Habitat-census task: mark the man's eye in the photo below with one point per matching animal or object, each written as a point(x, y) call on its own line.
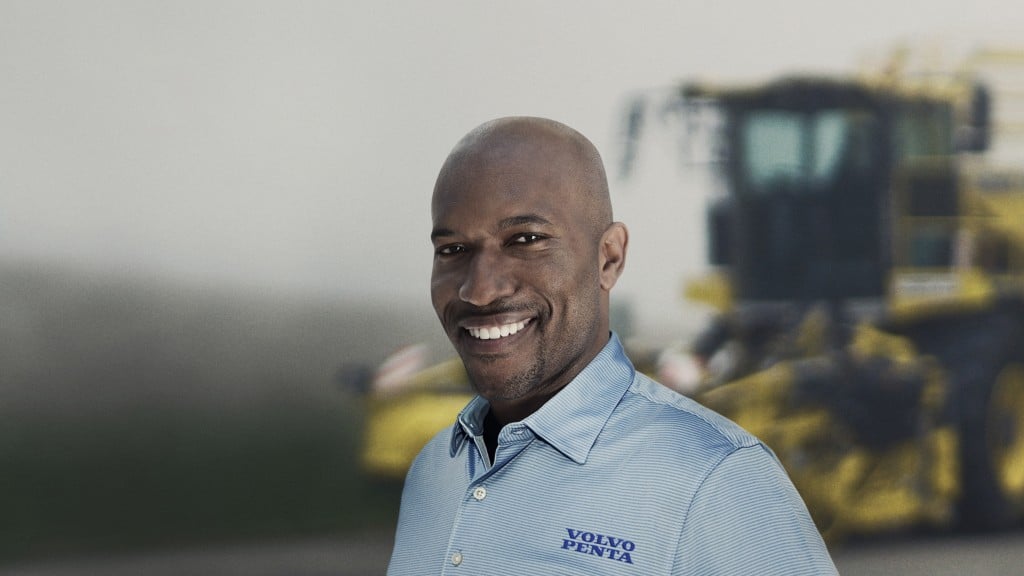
point(526, 238)
point(450, 250)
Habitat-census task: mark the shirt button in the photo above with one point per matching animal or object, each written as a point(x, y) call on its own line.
point(479, 493)
point(456, 558)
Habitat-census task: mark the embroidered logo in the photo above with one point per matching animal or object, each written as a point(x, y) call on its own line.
point(601, 545)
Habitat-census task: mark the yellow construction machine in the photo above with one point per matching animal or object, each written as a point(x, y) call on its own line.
point(867, 268)
point(867, 256)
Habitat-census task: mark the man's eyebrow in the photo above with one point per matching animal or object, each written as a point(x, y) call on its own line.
point(504, 224)
point(441, 233)
point(513, 221)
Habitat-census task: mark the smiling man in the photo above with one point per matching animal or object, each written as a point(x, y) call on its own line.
point(569, 461)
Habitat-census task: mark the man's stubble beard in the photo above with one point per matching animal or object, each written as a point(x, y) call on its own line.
point(515, 386)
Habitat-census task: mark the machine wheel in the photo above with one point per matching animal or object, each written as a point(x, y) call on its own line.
point(1004, 430)
point(992, 440)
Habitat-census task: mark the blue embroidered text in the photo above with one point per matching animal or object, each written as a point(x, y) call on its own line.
point(601, 545)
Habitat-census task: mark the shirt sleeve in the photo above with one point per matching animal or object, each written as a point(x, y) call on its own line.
point(747, 518)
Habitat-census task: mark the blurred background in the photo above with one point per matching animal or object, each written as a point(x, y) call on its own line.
point(212, 214)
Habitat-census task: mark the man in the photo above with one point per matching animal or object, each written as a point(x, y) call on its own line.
point(569, 461)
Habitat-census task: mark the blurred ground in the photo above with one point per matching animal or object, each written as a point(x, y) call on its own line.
point(140, 415)
point(367, 555)
point(978, 555)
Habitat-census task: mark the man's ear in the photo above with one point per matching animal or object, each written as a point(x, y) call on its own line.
point(613, 254)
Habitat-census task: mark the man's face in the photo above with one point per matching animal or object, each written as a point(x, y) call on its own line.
point(516, 280)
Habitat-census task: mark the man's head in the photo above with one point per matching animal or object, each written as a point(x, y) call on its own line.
point(525, 254)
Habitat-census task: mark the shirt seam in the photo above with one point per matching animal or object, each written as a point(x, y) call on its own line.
point(733, 440)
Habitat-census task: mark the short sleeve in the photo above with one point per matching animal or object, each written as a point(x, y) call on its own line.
point(747, 518)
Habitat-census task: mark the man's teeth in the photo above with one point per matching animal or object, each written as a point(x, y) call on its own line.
point(495, 332)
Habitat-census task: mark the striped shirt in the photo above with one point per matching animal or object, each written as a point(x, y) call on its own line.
point(615, 474)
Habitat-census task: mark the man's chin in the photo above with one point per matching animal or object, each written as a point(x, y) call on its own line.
point(497, 384)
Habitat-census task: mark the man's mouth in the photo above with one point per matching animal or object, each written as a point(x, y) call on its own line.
point(498, 331)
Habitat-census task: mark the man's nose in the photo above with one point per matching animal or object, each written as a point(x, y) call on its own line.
point(487, 280)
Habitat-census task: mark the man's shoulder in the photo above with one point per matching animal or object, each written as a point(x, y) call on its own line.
point(433, 465)
point(683, 420)
point(671, 441)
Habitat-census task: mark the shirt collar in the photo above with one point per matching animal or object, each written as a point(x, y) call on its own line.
point(572, 419)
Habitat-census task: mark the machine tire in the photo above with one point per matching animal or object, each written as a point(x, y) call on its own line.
point(992, 431)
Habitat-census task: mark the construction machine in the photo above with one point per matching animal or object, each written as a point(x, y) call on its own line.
point(867, 269)
point(866, 257)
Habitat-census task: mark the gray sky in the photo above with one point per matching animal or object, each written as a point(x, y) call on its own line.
point(292, 146)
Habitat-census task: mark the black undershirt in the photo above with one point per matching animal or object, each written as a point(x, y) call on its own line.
point(491, 429)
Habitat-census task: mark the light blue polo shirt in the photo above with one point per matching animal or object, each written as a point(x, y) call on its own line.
point(615, 474)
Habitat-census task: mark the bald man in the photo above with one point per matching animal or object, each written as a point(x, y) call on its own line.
point(569, 461)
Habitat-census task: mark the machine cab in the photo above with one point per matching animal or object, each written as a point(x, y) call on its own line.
point(808, 168)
